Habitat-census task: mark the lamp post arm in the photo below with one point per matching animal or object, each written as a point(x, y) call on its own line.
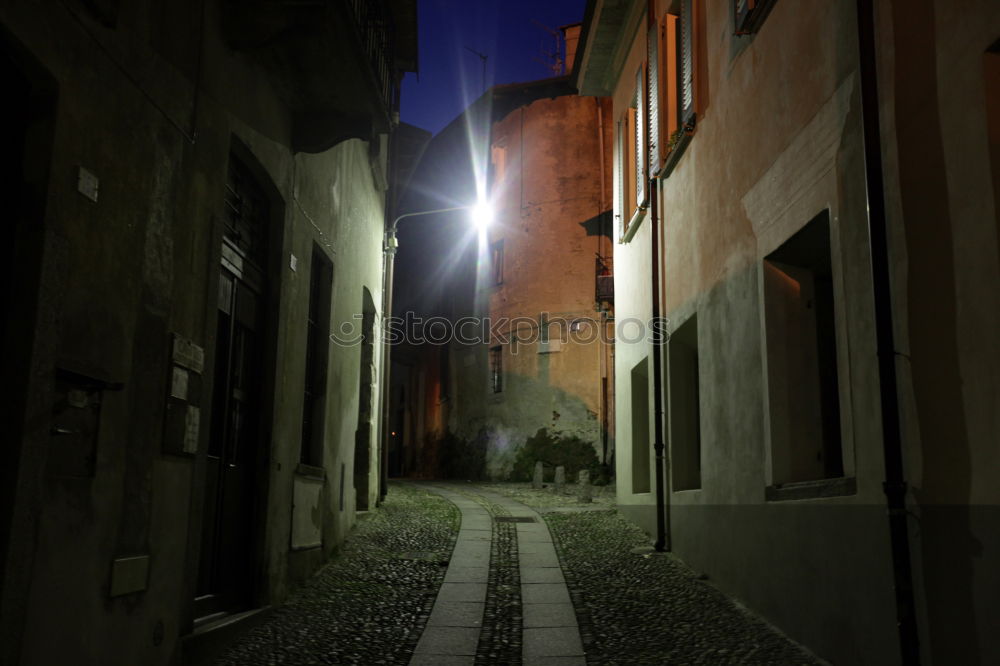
point(388, 266)
point(395, 223)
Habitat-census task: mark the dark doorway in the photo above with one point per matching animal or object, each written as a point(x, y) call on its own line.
point(26, 130)
point(363, 454)
point(230, 530)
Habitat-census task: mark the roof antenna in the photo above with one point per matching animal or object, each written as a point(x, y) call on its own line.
point(483, 57)
point(553, 60)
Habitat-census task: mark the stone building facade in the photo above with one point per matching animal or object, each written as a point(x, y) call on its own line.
point(537, 151)
point(537, 284)
point(749, 170)
point(197, 192)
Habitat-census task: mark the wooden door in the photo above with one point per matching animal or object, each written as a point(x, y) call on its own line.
point(234, 466)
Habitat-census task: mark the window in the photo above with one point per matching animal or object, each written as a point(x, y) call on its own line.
point(498, 156)
point(800, 338)
point(638, 135)
point(640, 427)
point(317, 357)
point(246, 212)
point(496, 369)
point(673, 113)
point(631, 173)
point(684, 406)
point(653, 95)
point(496, 260)
point(750, 14)
point(619, 186)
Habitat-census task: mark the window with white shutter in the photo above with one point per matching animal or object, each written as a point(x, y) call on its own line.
point(630, 182)
point(686, 69)
point(653, 97)
point(639, 136)
point(618, 189)
point(674, 54)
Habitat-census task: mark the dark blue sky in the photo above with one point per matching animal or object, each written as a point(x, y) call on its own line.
point(451, 77)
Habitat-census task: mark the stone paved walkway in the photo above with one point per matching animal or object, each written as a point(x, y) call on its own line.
point(549, 630)
point(572, 585)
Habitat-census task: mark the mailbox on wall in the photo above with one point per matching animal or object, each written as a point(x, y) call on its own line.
point(76, 419)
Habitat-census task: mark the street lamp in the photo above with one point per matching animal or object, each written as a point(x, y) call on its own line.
point(481, 215)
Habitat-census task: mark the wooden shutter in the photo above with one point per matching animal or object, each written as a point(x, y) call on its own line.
point(640, 138)
point(653, 97)
point(686, 70)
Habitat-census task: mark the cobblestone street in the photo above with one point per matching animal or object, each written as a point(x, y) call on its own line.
point(378, 600)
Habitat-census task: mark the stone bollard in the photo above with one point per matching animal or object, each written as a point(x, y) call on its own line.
point(560, 478)
point(586, 491)
point(536, 480)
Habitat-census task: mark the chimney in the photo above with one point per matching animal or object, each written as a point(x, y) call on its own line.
point(571, 37)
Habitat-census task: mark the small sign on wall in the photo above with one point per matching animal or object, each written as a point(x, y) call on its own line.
point(182, 423)
point(87, 184)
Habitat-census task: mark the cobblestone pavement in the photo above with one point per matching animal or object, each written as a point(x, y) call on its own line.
point(645, 607)
point(371, 602)
point(370, 605)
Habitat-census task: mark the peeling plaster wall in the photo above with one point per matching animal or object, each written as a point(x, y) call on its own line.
point(121, 275)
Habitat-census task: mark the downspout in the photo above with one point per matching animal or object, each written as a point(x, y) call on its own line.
point(662, 521)
point(601, 343)
point(658, 330)
point(895, 482)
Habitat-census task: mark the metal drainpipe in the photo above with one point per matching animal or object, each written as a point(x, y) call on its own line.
point(659, 446)
point(895, 482)
point(602, 346)
point(662, 519)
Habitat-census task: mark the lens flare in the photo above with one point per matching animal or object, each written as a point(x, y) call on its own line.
point(482, 215)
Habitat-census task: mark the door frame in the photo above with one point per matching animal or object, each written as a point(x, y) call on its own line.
point(277, 243)
point(29, 360)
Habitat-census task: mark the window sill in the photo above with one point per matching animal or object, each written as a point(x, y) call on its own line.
point(633, 225)
point(804, 490)
point(674, 156)
point(310, 472)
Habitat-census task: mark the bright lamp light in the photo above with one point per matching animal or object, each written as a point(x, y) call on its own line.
point(482, 215)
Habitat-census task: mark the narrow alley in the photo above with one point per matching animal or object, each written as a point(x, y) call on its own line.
point(461, 573)
point(500, 332)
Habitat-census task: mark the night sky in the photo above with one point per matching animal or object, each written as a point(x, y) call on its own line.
point(505, 30)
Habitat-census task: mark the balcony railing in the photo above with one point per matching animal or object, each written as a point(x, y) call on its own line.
point(605, 280)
